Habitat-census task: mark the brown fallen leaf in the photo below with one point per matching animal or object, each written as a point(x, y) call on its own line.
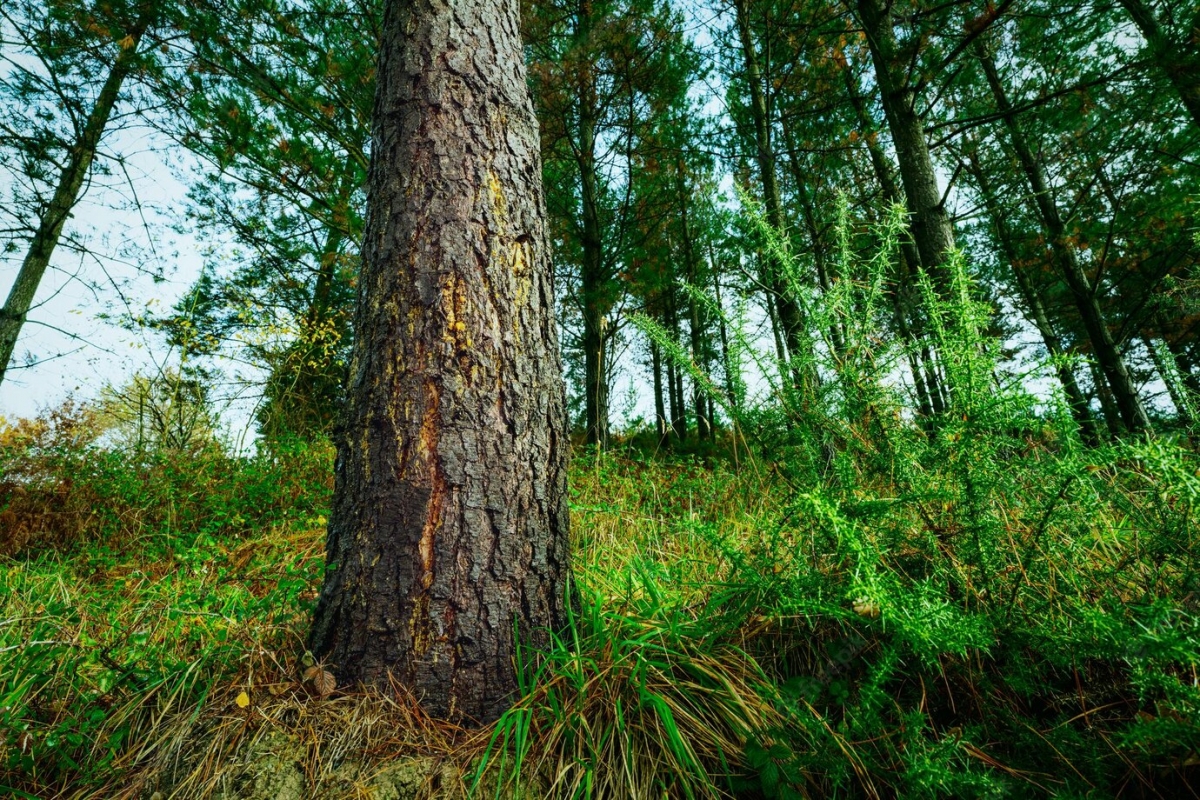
point(320, 681)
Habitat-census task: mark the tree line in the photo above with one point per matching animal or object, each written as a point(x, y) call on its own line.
point(1053, 143)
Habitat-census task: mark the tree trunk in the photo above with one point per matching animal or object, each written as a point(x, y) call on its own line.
point(931, 229)
point(67, 193)
point(732, 378)
point(929, 394)
point(1112, 417)
point(1176, 390)
point(447, 540)
point(1180, 63)
point(660, 409)
point(592, 279)
point(789, 314)
point(1186, 370)
point(1033, 301)
point(1133, 415)
point(696, 316)
point(679, 420)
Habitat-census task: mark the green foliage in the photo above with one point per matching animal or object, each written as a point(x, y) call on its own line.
point(844, 601)
point(65, 486)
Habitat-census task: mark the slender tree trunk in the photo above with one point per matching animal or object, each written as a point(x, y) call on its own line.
point(67, 193)
point(1172, 380)
point(660, 409)
point(732, 379)
point(1037, 310)
point(837, 337)
point(1181, 63)
point(1186, 369)
point(931, 229)
point(903, 304)
point(447, 540)
point(696, 321)
point(1112, 416)
point(593, 281)
point(302, 395)
point(679, 421)
point(789, 314)
point(1107, 353)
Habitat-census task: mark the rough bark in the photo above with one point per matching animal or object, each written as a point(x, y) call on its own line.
point(67, 193)
point(1108, 354)
point(931, 229)
point(447, 541)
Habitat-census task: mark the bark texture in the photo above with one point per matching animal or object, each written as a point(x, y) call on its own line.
point(447, 541)
point(67, 193)
point(931, 228)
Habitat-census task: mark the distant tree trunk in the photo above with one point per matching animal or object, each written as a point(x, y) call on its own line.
point(679, 420)
point(732, 379)
point(1163, 362)
point(1112, 416)
point(786, 308)
point(447, 540)
point(930, 223)
point(593, 281)
point(660, 409)
point(1186, 369)
point(807, 204)
point(66, 195)
point(1180, 62)
point(696, 316)
point(1037, 310)
point(1108, 354)
point(929, 397)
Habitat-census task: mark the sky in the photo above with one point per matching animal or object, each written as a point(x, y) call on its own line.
point(136, 262)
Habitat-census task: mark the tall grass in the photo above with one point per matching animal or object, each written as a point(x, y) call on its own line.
point(843, 601)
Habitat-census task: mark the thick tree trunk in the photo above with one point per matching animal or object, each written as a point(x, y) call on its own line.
point(592, 279)
point(1180, 62)
point(66, 194)
point(1037, 310)
point(1108, 354)
point(448, 536)
point(931, 229)
point(787, 309)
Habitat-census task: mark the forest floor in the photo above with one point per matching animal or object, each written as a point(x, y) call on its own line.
point(737, 636)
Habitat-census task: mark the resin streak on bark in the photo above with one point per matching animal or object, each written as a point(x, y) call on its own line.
point(448, 536)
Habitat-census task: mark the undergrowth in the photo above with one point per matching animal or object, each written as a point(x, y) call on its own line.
point(842, 601)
